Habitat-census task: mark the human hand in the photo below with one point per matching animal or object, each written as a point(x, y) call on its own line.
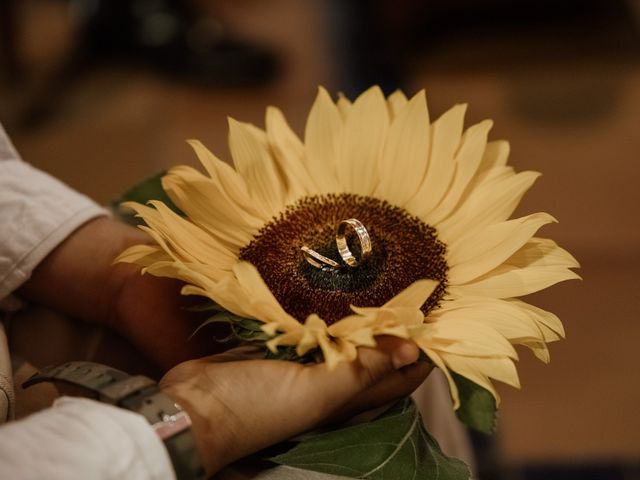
point(239, 406)
point(79, 279)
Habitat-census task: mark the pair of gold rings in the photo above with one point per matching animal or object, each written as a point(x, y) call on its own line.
point(326, 264)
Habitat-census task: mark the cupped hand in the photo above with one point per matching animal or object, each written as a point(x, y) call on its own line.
point(240, 405)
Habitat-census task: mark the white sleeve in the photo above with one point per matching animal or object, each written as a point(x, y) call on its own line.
point(79, 438)
point(76, 438)
point(37, 212)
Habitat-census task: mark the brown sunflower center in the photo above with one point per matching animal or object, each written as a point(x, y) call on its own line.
point(404, 249)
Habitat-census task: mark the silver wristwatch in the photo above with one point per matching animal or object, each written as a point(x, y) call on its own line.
point(139, 394)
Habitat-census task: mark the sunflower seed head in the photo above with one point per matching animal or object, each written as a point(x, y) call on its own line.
point(404, 250)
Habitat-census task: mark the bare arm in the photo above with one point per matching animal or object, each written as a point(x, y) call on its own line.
point(79, 279)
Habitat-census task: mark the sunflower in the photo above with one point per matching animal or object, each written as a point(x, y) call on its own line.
point(446, 265)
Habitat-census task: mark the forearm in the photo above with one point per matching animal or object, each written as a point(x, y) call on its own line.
point(78, 278)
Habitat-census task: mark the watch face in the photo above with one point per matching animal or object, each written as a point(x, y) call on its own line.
point(172, 424)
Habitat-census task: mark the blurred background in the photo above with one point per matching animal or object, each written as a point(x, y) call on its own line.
point(104, 93)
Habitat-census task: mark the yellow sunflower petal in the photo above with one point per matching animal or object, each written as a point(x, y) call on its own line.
point(478, 370)
point(395, 103)
point(332, 352)
point(446, 133)
point(347, 350)
point(254, 162)
point(344, 105)
point(314, 333)
point(406, 150)
point(360, 145)
point(289, 151)
point(391, 321)
point(435, 357)
point(495, 156)
point(229, 183)
point(261, 299)
point(289, 338)
point(414, 295)
point(510, 321)
point(501, 369)
point(352, 324)
point(493, 201)
point(540, 350)
point(548, 322)
point(474, 255)
point(321, 138)
point(508, 281)
point(445, 345)
point(162, 233)
point(144, 255)
point(203, 248)
point(463, 336)
point(168, 249)
point(363, 337)
point(542, 252)
point(467, 161)
point(172, 269)
point(192, 192)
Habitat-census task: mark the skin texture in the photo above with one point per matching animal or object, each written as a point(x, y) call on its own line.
point(238, 404)
point(79, 279)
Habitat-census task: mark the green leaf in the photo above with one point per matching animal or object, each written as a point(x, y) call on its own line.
point(242, 329)
point(149, 189)
point(247, 331)
point(477, 406)
point(394, 446)
point(206, 306)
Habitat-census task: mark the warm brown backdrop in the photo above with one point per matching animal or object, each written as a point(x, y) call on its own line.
point(572, 114)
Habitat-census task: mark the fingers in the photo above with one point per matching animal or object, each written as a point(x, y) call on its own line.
point(394, 386)
point(390, 354)
point(377, 376)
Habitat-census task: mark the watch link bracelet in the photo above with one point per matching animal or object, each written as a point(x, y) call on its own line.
point(139, 394)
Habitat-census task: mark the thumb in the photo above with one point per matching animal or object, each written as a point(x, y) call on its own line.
point(375, 364)
point(335, 388)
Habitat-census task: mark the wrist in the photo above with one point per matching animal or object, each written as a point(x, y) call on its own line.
point(208, 442)
point(121, 278)
point(139, 394)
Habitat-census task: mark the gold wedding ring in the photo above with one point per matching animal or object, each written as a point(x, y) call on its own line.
point(326, 264)
point(319, 261)
point(343, 247)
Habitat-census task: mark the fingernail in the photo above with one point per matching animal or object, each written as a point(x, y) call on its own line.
point(404, 355)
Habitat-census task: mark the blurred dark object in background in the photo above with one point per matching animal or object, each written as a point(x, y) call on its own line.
point(381, 42)
point(170, 37)
point(10, 70)
point(527, 33)
point(173, 37)
point(372, 43)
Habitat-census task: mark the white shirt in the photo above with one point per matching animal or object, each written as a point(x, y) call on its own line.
point(76, 438)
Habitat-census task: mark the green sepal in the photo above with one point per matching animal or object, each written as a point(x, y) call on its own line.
point(247, 331)
point(478, 408)
point(395, 445)
point(148, 189)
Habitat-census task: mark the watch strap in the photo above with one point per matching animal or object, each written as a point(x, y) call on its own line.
point(139, 394)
